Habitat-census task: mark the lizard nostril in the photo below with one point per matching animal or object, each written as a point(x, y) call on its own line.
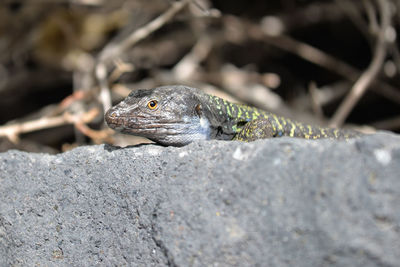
point(110, 115)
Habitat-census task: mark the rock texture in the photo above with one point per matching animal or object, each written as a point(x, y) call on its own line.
point(280, 202)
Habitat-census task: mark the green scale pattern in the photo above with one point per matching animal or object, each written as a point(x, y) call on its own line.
point(250, 124)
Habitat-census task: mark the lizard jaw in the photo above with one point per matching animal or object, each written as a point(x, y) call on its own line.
point(159, 130)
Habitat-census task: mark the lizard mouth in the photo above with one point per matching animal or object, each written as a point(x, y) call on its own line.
point(143, 126)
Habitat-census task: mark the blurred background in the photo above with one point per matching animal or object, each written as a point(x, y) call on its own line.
point(64, 62)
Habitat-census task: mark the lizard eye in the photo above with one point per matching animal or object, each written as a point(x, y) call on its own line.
point(152, 104)
point(198, 110)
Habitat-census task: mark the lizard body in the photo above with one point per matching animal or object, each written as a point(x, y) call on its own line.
point(178, 115)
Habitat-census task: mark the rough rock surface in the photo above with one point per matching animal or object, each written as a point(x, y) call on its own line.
point(280, 202)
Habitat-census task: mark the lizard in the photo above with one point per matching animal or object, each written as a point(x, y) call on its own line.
point(177, 115)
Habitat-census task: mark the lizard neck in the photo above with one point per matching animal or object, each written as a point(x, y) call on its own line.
point(226, 118)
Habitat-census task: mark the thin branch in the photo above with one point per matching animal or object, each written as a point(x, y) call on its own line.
point(98, 136)
point(314, 55)
point(189, 64)
point(320, 58)
point(13, 131)
point(353, 11)
point(114, 49)
point(369, 75)
point(105, 95)
point(373, 22)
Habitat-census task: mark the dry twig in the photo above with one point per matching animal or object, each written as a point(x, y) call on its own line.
point(189, 64)
point(321, 58)
point(114, 50)
point(13, 131)
point(369, 75)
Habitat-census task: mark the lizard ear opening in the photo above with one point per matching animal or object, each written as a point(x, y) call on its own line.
point(198, 110)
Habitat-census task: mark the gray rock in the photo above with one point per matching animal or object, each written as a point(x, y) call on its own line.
point(278, 202)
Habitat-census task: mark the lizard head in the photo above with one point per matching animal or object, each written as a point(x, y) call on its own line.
point(169, 115)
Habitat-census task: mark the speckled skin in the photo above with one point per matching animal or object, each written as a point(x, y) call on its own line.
point(184, 114)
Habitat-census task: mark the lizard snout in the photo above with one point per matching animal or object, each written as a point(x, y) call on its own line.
point(110, 117)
